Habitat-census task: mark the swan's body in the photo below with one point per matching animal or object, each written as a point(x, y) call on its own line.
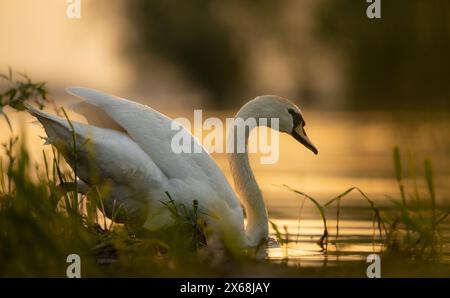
point(129, 147)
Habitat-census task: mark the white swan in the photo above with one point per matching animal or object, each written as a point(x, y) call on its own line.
point(128, 145)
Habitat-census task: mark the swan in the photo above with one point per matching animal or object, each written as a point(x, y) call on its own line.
point(128, 145)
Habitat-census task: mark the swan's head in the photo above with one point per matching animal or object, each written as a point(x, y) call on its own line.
point(290, 117)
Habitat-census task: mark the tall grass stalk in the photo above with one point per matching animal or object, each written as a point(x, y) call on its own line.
point(398, 173)
point(323, 241)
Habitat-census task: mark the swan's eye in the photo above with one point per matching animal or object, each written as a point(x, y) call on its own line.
point(296, 118)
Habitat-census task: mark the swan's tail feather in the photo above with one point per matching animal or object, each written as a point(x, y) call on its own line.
point(56, 128)
point(60, 133)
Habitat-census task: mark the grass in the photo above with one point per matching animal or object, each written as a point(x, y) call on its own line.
point(41, 223)
point(20, 91)
point(414, 228)
point(418, 217)
point(323, 241)
point(43, 219)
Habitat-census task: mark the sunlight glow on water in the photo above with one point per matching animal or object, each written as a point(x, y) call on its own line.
point(357, 239)
point(354, 243)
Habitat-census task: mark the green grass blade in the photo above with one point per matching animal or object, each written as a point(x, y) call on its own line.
point(323, 242)
point(430, 186)
point(377, 212)
point(398, 172)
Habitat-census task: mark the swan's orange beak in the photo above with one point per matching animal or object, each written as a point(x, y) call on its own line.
point(299, 134)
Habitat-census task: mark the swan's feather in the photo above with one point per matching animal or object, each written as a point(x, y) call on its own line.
point(152, 131)
point(121, 160)
point(95, 116)
point(135, 155)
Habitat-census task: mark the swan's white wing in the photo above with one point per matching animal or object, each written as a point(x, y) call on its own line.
point(152, 131)
point(95, 116)
point(113, 153)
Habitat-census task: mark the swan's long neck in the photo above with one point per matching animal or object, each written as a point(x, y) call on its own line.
point(245, 183)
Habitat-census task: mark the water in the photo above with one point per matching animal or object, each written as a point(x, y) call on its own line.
point(354, 150)
point(355, 242)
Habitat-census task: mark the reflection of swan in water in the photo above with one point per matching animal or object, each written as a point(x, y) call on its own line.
point(129, 146)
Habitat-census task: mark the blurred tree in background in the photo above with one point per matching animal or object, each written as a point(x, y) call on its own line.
point(399, 61)
point(198, 36)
